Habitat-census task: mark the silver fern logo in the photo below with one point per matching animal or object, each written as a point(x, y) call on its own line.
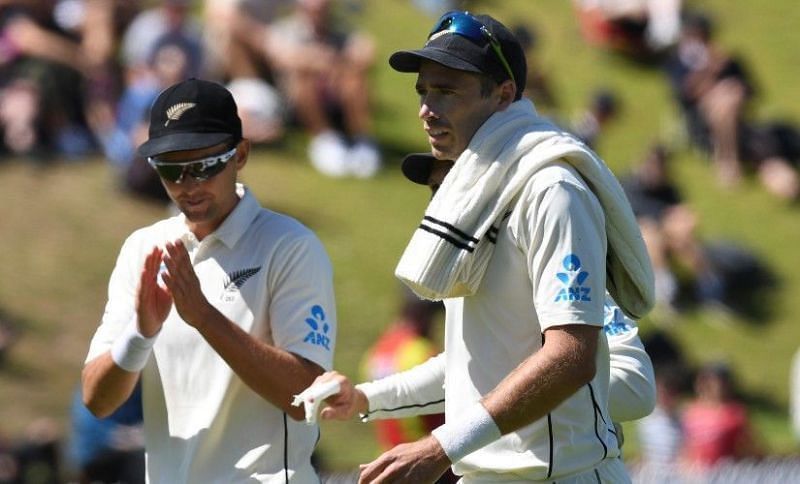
point(175, 112)
point(234, 281)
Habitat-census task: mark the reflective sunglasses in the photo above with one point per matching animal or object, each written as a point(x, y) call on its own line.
point(465, 25)
point(200, 170)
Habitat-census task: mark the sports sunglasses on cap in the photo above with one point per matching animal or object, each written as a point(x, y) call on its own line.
point(465, 25)
point(200, 170)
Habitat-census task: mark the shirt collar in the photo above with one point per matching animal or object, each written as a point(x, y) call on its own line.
point(238, 221)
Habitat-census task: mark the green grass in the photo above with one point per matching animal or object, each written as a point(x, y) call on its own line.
point(61, 227)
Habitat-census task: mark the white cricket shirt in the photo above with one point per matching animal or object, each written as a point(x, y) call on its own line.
point(548, 269)
point(271, 276)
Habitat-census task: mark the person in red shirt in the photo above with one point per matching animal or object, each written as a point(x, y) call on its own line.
point(716, 425)
point(407, 342)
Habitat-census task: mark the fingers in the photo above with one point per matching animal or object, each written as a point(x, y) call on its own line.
point(375, 471)
point(180, 277)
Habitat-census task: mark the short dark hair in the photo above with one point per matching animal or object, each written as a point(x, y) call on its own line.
point(487, 84)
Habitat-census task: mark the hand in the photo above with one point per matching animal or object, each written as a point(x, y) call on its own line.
point(184, 286)
point(153, 301)
point(345, 404)
point(421, 461)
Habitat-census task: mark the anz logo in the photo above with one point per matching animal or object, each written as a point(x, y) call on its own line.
point(614, 322)
point(318, 336)
point(572, 279)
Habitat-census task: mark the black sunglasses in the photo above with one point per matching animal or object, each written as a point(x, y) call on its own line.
point(200, 170)
point(465, 25)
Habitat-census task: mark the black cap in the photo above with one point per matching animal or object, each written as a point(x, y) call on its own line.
point(190, 115)
point(459, 52)
point(417, 167)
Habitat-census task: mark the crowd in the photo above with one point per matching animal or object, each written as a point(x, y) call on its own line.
point(78, 77)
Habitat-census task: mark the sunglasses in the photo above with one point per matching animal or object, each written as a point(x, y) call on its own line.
point(200, 170)
point(465, 25)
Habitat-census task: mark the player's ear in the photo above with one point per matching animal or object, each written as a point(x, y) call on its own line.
point(242, 153)
point(507, 92)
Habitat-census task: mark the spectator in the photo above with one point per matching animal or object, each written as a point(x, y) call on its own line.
point(772, 150)
point(321, 67)
point(538, 87)
point(640, 29)
point(42, 65)
point(174, 58)
point(167, 17)
point(406, 343)
point(719, 273)
point(660, 433)
point(233, 32)
point(33, 458)
point(603, 108)
point(108, 449)
point(712, 88)
point(715, 423)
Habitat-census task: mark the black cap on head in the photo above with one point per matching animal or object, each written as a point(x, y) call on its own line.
point(190, 115)
point(417, 167)
point(459, 52)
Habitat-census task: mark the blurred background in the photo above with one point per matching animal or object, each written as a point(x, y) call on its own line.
point(691, 103)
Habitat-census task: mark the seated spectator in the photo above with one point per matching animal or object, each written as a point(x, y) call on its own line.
point(41, 65)
point(538, 87)
point(33, 457)
point(233, 33)
point(713, 88)
point(640, 29)
point(602, 109)
point(660, 433)
point(719, 273)
point(715, 422)
point(322, 67)
point(165, 18)
point(174, 58)
point(772, 151)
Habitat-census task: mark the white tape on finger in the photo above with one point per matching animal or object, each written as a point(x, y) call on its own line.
point(312, 397)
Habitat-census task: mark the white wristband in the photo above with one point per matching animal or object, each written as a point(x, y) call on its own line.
point(474, 430)
point(131, 350)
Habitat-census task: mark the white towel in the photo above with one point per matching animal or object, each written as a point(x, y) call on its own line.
point(449, 252)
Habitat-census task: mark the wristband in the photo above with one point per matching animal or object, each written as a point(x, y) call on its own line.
point(474, 430)
point(131, 350)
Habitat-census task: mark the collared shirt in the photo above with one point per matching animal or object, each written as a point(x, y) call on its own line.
point(271, 276)
point(548, 269)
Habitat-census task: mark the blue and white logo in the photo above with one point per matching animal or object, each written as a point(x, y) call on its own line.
point(572, 279)
point(614, 321)
point(318, 336)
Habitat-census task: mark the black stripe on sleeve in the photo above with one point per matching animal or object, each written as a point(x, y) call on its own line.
point(402, 407)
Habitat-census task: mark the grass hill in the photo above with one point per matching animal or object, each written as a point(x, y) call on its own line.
point(62, 225)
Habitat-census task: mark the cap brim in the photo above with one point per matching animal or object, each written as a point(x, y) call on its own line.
point(409, 60)
point(181, 142)
point(417, 167)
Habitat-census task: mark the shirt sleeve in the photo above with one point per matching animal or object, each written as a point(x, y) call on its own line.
point(565, 244)
point(632, 389)
point(302, 309)
point(120, 307)
point(418, 391)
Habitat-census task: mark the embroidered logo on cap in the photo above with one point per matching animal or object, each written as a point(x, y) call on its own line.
point(175, 112)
